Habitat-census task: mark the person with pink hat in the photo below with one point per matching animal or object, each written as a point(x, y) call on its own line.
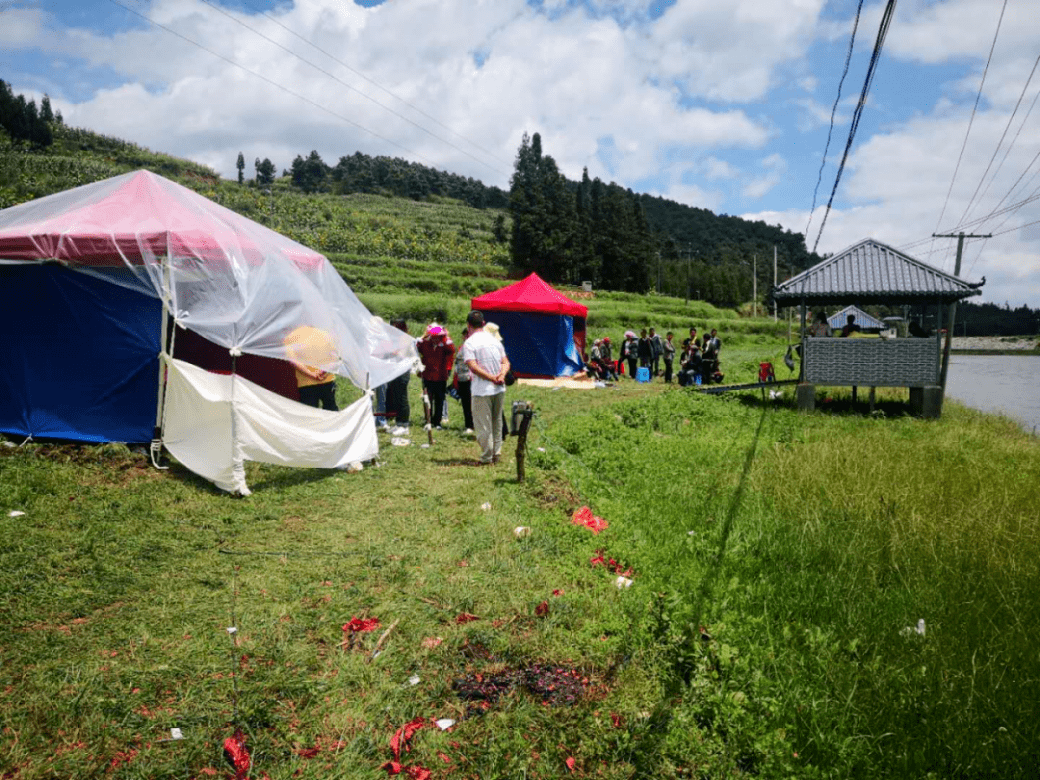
point(437, 352)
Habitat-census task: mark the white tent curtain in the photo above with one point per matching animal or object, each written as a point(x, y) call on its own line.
point(216, 422)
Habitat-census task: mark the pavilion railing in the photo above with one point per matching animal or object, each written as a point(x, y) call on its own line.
point(872, 362)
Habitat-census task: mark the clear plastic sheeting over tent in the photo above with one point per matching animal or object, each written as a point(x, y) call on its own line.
point(216, 273)
point(227, 278)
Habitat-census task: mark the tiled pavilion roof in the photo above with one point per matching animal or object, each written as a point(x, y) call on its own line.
point(872, 272)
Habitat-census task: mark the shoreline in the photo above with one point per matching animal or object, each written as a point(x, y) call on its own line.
point(994, 345)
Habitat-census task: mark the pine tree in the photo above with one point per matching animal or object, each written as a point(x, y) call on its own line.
point(46, 114)
point(241, 165)
point(265, 173)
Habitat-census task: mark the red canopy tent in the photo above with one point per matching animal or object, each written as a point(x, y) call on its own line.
point(543, 330)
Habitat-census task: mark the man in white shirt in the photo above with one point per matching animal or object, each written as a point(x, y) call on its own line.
point(487, 362)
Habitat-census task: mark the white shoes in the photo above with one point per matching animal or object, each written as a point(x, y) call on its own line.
point(400, 430)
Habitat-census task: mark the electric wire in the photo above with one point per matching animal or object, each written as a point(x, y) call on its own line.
point(1007, 127)
point(273, 83)
point(886, 21)
point(971, 120)
point(348, 86)
point(376, 84)
point(834, 111)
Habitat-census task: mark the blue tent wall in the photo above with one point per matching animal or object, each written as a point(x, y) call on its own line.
point(78, 356)
point(538, 344)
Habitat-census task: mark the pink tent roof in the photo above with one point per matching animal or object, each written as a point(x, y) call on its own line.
point(135, 218)
point(531, 294)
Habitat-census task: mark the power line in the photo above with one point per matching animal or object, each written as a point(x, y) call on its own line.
point(271, 82)
point(971, 120)
point(886, 21)
point(834, 110)
point(348, 86)
point(375, 84)
point(1007, 127)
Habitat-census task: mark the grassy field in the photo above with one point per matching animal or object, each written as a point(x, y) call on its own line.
point(777, 562)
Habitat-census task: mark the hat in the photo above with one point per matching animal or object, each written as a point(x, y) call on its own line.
point(434, 329)
point(492, 328)
point(606, 339)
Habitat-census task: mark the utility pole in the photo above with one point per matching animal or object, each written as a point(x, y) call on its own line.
point(774, 282)
point(658, 271)
point(754, 288)
point(689, 251)
point(952, 311)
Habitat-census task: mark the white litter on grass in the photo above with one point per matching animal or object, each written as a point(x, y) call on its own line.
point(919, 629)
point(691, 533)
point(232, 630)
point(16, 513)
point(521, 531)
point(10, 444)
point(775, 394)
point(399, 442)
point(623, 582)
point(175, 733)
point(486, 506)
point(541, 449)
point(413, 680)
point(424, 446)
point(355, 467)
point(444, 723)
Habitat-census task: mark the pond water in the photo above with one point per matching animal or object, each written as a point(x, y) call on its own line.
point(1008, 384)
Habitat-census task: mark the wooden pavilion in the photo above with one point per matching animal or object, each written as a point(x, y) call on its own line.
point(874, 273)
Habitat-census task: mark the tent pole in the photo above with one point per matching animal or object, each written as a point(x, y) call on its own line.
point(160, 407)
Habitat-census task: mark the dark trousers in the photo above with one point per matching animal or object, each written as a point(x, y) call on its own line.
point(436, 389)
point(667, 370)
point(320, 396)
point(655, 365)
point(632, 367)
point(467, 403)
point(397, 399)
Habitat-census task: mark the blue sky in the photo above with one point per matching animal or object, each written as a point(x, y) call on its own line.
point(718, 105)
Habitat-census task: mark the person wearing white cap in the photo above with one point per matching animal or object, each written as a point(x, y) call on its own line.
point(488, 364)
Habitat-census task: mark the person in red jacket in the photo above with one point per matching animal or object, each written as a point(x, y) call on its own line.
point(437, 352)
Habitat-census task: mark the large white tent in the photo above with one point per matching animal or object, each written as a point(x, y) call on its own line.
point(112, 263)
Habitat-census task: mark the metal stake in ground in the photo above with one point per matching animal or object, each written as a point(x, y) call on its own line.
point(521, 443)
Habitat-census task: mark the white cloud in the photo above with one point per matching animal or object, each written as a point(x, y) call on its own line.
point(20, 27)
point(774, 166)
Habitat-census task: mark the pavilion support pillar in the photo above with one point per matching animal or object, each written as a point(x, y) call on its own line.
point(926, 401)
point(806, 396)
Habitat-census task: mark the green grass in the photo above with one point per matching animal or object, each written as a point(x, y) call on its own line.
point(802, 544)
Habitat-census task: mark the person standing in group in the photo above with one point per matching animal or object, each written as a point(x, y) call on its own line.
point(607, 356)
point(463, 385)
point(630, 352)
point(656, 350)
point(308, 349)
point(488, 364)
point(397, 393)
point(646, 352)
point(668, 352)
point(437, 352)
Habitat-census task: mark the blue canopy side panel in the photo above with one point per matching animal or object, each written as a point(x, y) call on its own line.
point(78, 356)
point(538, 344)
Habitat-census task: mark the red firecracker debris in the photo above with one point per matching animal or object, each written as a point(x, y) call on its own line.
point(403, 735)
point(360, 625)
point(611, 564)
point(558, 592)
point(465, 617)
point(615, 719)
point(570, 763)
point(542, 609)
point(585, 517)
point(431, 642)
point(444, 757)
point(236, 754)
